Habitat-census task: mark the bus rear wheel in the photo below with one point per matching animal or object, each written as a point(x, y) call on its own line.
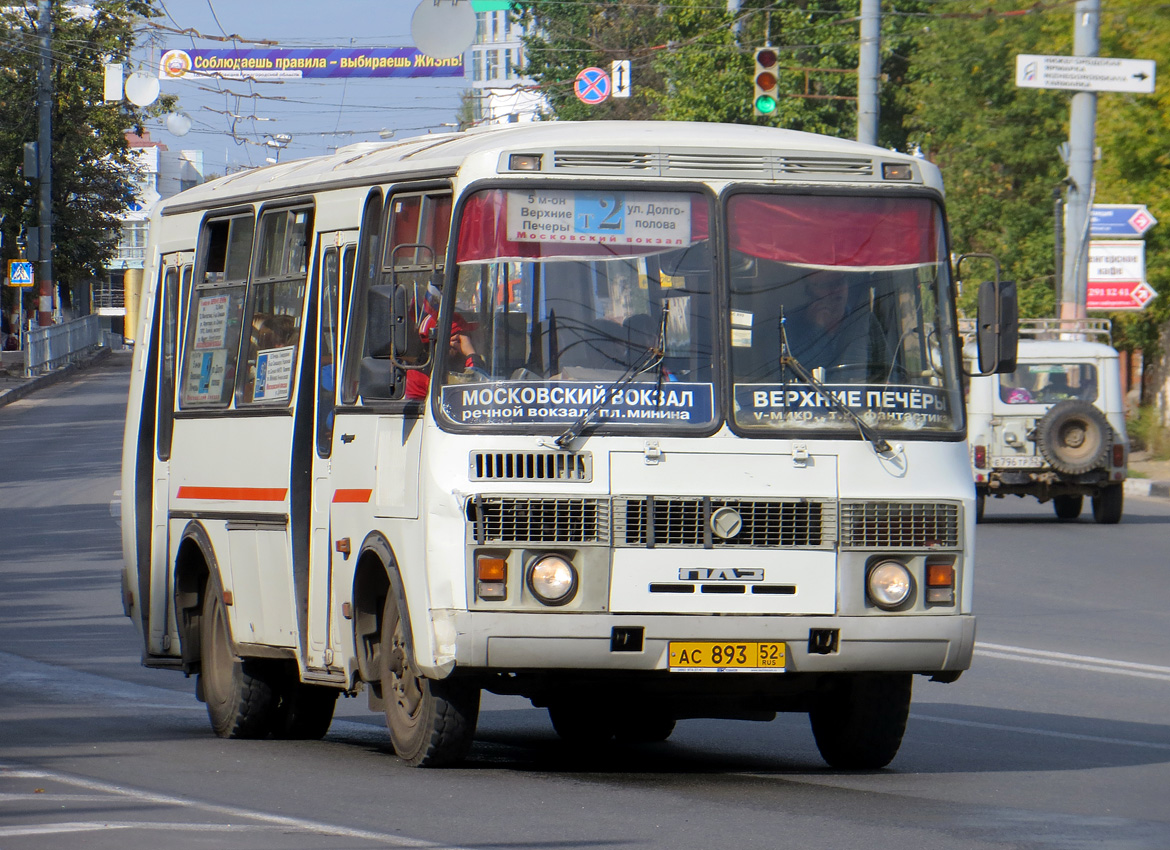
point(304, 712)
point(241, 701)
point(431, 721)
point(858, 722)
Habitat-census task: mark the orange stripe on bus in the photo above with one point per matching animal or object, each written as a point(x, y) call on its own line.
point(235, 494)
point(352, 495)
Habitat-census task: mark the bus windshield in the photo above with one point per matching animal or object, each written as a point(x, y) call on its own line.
point(573, 305)
point(854, 289)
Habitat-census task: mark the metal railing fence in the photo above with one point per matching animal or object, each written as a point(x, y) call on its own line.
point(47, 348)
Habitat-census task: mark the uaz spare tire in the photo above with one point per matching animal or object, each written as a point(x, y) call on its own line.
point(1073, 437)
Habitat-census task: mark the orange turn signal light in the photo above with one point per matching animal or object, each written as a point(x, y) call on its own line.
point(491, 569)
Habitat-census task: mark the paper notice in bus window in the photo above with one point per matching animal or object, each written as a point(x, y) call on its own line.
point(211, 323)
point(205, 374)
point(741, 337)
point(608, 218)
point(273, 374)
point(741, 318)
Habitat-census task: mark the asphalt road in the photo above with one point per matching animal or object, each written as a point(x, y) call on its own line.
point(1059, 737)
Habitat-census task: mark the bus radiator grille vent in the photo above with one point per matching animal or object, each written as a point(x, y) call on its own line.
point(605, 161)
point(686, 522)
point(531, 466)
point(899, 525)
point(508, 519)
point(817, 165)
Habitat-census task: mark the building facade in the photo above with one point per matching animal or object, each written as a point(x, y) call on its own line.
point(501, 93)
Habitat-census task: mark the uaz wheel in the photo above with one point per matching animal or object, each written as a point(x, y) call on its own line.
point(1073, 437)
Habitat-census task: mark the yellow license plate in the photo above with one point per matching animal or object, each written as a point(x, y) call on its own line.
point(726, 656)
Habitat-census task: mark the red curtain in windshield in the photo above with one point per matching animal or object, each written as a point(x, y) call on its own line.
point(834, 231)
point(484, 226)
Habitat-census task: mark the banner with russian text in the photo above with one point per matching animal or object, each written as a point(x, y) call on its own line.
point(288, 64)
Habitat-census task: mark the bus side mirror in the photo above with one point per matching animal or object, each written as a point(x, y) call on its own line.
point(398, 317)
point(381, 331)
point(999, 327)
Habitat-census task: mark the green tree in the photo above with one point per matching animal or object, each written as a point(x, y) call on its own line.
point(93, 171)
point(689, 63)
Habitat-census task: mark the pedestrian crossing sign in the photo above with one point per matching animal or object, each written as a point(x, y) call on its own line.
point(20, 272)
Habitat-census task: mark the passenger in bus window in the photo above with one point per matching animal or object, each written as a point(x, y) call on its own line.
point(461, 355)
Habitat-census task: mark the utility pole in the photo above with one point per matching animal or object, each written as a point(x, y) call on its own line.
point(45, 161)
point(1081, 148)
point(869, 64)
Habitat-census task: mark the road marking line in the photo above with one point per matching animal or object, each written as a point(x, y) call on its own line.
point(1153, 668)
point(1048, 733)
point(1074, 662)
point(282, 821)
point(98, 826)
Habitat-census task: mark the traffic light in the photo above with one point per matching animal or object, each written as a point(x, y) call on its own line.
point(767, 83)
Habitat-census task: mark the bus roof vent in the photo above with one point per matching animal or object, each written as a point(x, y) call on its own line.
point(717, 163)
point(821, 166)
point(531, 466)
point(593, 162)
point(899, 525)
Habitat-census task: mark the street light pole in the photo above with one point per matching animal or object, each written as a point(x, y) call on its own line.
point(1081, 148)
point(45, 161)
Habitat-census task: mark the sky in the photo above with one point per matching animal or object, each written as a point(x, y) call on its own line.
point(231, 119)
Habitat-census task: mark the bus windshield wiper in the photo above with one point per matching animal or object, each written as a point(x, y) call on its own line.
point(652, 356)
point(788, 359)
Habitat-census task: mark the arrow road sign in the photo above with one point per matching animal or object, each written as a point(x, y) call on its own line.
point(592, 86)
point(619, 69)
point(1120, 220)
point(20, 272)
point(1085, 73)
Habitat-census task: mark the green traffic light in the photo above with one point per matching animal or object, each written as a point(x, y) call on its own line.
point(766, 104)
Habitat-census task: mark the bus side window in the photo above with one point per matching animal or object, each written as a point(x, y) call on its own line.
point(411, 220)
point(215, 318)
point(275, 305)
point(326, 345)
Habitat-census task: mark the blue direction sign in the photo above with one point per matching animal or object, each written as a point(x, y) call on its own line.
point(1123, 220)
point(592, 86)
point(20, 272)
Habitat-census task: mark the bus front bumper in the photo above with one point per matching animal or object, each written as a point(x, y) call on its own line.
point(541, 641)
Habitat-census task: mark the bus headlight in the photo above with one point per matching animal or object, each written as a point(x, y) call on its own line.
point(889, 584)
point(552, 580)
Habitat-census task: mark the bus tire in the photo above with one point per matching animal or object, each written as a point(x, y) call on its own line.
point(581, 724)
point(304, 712)
point(645, 729)
point(859, 721)
point(241, 701)
point(431, 721)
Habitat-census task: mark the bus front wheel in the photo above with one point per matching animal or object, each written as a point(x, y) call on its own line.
point(858, 722)
point(431, 722)
point(241, 701)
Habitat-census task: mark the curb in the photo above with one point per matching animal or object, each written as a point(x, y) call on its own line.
point(35, 383)
point(1146, 487)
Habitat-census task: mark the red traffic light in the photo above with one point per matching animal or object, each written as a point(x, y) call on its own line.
point(766, 57)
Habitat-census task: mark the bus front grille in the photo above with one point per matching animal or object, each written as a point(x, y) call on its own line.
point(899, 525)
point(757, 523)
point(511, 519)
point(531, 466)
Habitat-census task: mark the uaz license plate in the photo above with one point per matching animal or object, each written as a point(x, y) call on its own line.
point(705, 656)
point(1017, 462)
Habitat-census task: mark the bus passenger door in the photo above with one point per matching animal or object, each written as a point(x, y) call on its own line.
point(155, 586)
point(336, 255)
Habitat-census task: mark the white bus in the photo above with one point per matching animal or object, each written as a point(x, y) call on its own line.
point(639, 421)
